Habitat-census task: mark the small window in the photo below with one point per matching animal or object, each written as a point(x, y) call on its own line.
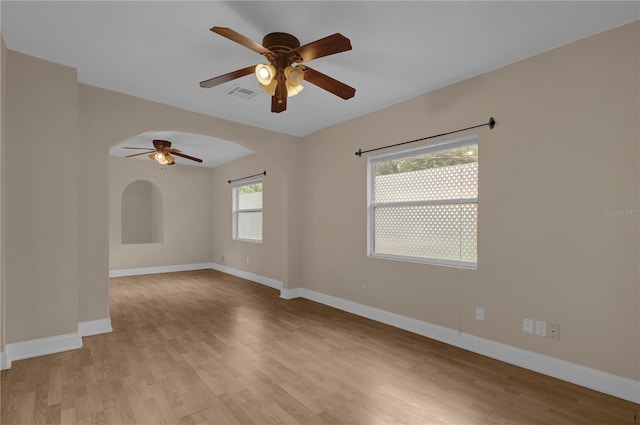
point(247, 211)
point(423, 204)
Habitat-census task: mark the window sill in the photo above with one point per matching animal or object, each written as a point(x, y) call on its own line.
point(467, 265)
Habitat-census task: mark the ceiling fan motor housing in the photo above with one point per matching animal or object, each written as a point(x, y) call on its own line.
point(161, 145)
point(280, 42)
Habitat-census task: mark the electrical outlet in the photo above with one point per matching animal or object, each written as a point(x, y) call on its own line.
point(364, 286)
point(541, 328)
point(527, 325)
point(479, 313)
point(247, 259)
point(554, 331)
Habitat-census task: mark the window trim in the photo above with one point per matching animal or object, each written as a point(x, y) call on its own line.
point(372, 160)
point(236, 211)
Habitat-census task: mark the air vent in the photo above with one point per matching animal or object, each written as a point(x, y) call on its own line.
point(242, 92)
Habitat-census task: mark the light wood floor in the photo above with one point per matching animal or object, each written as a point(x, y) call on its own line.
point(204, 347)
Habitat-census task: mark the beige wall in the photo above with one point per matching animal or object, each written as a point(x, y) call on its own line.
point(564, 151)
point(41, 199)
point(266, 258)
point(108, 118)
point(3, 92)
point(57, 204)
point(102, 108)
point(185, 196)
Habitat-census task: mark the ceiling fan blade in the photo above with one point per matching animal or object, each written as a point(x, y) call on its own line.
point(279, 98)
point(215, 81)
point(329, 84)
point(193, 158)
point(137, 154)
point(241, 39)
point(127, 147)
point(329, 45)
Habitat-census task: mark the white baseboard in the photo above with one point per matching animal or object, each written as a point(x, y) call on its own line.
point(273, 283)
point(4, 361)
point(598, 380)
point(159, 269)
point(54, 344)
point(42, 346)
point(95, 327)
point(289, 294)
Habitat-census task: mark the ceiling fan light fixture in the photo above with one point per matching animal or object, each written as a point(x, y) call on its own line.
point(294, 76)
point(294, 90)
point(265, 73)
point(283, 51)
point(270, 88)
point(159, 156)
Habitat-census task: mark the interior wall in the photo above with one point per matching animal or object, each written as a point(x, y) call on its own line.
point(57, 205)
point(266, 258)
point(3, 93)
point(555, 174)
point(186, 209)
point(108, 118)
point(41, 199)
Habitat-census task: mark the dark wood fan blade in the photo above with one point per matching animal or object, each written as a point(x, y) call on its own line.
point(329, 84)
point(241, 39)
point(127, 147)
point(193, 158)
point(137, 154)
point(279, 99)
point(329, 45)
point(215, 81)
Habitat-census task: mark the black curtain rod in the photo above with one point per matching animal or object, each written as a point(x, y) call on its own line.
point(491, 124)
point(264, 173)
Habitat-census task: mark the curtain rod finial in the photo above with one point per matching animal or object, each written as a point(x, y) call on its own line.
point(492, 123)
point(359, 153)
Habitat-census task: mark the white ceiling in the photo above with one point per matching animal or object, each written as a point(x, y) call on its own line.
point(161, 50)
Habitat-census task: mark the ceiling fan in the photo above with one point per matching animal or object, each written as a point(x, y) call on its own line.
point(279, 78)
point(162, 153)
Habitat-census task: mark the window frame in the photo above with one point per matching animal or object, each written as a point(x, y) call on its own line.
point(372, 160)
point(236, 211)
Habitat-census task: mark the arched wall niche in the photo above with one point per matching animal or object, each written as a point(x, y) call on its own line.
point(142, 213)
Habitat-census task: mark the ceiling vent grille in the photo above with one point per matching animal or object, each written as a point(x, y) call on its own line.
point(242, 92)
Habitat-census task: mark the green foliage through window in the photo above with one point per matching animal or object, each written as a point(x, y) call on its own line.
point(446, 158)
point(250, 188)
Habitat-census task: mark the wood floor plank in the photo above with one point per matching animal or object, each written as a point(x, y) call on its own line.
point(203, 347)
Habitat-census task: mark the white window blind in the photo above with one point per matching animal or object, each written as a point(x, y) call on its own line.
point(247, 211)
point(423, 204)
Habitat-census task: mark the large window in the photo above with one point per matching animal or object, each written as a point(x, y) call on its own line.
point(423, 204)
point(247, 211)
